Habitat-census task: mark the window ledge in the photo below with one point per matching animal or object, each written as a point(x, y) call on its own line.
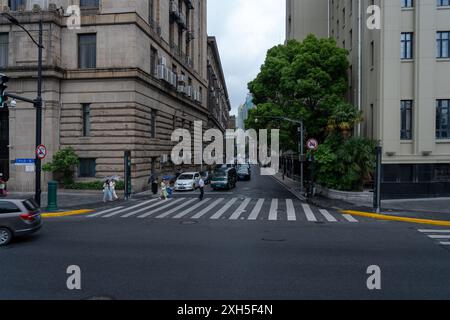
point(408, 9)
point(407, 60)
point(406, 141)
point(442, 141)
point(443, 8)
point(443, 59)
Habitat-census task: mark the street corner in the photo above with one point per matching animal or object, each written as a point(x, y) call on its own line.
point(60, 214)
point(396, 218)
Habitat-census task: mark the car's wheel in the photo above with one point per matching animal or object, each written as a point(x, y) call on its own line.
point(5, 236)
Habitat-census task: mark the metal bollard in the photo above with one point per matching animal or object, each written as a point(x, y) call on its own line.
point(52, 196)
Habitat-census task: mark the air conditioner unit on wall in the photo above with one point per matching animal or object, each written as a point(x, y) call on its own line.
point(188, 91)
point(180, 89)
point(160, 72)
point(181, 79)
point(162, 61)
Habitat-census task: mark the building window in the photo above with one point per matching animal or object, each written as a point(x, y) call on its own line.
point(406, 111)
point(443, 3)
point(406, 45)
point(443, 119)
point(442, 44)
point(86, 119)
point(89, 4)
point(407, 3)
point(87, 168)
point(87, 51)
point(153, 61)
point(15, 5)
point(152, 124)
point(4, 49)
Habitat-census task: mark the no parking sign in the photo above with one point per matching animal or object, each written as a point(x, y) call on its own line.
point(312, 144)
point(41, 152)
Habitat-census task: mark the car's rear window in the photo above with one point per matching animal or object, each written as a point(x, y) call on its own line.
point(186, 177)
point(8, 207)
point(31, 205)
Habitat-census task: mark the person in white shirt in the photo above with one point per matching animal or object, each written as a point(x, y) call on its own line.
point(201, 185)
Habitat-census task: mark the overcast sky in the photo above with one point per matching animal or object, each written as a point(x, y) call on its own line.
point(245, 30)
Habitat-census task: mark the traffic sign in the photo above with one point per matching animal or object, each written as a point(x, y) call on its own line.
point(41, 152)
point(312, 144)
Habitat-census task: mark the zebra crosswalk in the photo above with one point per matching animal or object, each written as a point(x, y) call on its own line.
point(232, 209)
point(442, 237)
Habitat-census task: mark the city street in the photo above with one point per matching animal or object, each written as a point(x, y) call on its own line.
point(256, 242)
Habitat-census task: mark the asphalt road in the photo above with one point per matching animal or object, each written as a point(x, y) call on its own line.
point(225, 258)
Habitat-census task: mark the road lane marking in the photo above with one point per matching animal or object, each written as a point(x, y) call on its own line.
point(186, 212)
point(168, 213)
point(445, 243)
point(171, 203)
point(256, 210)
point(308, 212)
point(240, 210)
point(65, 214)
point(224, 209)
point(103, 212)
point(133, 213)
point(440, 237)
point(434, 231)
point(440, 223)
point(327, 215)
point(290, 210)
point(273, 213)
point(207, 209)
point(129, 208)
point(349, 218)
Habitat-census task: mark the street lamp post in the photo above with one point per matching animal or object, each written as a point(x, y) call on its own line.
point(37, 103)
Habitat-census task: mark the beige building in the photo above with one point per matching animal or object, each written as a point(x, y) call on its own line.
point(133, 72)
point(399, 77)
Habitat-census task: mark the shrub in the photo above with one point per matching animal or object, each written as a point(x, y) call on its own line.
point(93, 185)
point(64, 162)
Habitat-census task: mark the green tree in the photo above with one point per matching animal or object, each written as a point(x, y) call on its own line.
point(64, 162)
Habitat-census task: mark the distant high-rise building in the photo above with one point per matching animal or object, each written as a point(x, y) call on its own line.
point(243, 111)
point(399, 77)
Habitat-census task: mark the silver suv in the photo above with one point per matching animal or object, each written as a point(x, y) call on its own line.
point(18, 218)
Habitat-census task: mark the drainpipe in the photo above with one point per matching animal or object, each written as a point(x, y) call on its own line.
point(359, 63)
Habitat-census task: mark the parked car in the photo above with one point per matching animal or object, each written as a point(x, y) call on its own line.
point(206, 176)
point(244, 173)
point(18, 218)
point(187, 181)
point(224, 178)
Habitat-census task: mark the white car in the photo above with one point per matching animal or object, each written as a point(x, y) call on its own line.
point(187, 181)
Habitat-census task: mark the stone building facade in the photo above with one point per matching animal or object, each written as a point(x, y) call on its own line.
point(399, 78)
point(135, 71)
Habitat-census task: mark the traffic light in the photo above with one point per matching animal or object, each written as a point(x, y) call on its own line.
point(3, 87)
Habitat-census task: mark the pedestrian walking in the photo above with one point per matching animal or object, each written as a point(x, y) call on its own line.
point(113, 190)
point(164, 193)
point(107, 194)
point(201, 185)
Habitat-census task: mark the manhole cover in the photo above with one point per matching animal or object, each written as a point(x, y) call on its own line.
point(189, 222)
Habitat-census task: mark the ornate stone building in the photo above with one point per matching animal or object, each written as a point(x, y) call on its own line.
point(133, 72)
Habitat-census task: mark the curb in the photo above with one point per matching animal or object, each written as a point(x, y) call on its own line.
point(66, 214)
point(440, 223)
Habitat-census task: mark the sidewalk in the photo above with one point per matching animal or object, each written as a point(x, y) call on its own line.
point(431, 209)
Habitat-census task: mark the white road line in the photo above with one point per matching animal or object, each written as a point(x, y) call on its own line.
point(290, 210)
point(350, 218)
point(445, 243)
point(434, 231)
point(103, 212)
point(129, 208)
point(185, 212)
point(171, 203)
point(256, 210)
point(309, 214)
point(207, 209)
point(327, 215)
point(168, 213)
point(224, 209)
point(133, 213)
point(240, 210)
point(439, 237)
point(273, 213)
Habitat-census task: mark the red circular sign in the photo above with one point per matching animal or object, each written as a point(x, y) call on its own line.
point(41, 152)
point(312, 144)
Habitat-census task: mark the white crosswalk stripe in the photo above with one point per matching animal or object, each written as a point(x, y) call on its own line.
point(186, 212)
point(290, 210)
point(434, 231)
point(233, 208)
point(104, 212)
point(115, 213)
point(327, 215)
point(171, 203)
point(240, 210)
point(224, 209)
point(135, 213)
point(442, 236)
point(439, 236)
point(174, 210)
point(207, 209)
point(256, 210)
point(309, 214)
point(273, 213)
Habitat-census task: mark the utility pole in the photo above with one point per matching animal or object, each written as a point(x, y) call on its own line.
point(302, 157)
point(377, 184)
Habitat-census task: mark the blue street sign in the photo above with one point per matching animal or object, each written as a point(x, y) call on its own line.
point(25, 162)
